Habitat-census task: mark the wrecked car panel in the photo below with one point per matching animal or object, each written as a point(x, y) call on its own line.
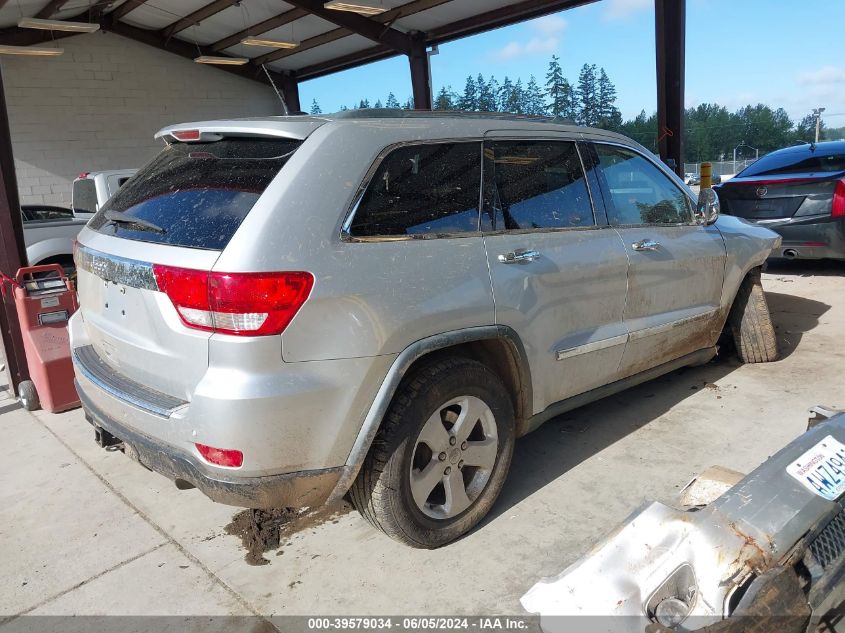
point(768, 547)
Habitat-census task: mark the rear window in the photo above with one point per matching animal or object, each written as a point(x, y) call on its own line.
point(33, 213)
point(195, 194)
point(84, 196)
point(795, 161)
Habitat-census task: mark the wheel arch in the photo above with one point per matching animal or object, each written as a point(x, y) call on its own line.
point(499, 347)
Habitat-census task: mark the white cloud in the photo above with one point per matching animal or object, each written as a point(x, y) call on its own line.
point(622, 9)
point(822, 76)
point(550, 27)
point(534, 46)
point(549, 24)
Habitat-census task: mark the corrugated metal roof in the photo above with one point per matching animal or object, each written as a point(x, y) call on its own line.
point(328, 42)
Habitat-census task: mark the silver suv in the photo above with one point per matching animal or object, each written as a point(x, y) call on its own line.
point(284, 311)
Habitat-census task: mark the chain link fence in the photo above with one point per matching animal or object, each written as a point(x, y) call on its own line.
point(720, 168)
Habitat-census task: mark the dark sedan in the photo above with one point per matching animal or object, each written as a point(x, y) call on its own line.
point(798, 192)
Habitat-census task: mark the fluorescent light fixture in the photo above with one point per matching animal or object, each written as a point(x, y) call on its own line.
point(255, 41)
point(358, 6)
point(58, 25)
point(222, 61)
point(32, 51)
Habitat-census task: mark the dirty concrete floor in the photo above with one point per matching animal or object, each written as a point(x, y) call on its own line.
point(80, 523)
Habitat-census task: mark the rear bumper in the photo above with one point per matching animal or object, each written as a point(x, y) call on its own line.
point(299, 489)
point(813, 240)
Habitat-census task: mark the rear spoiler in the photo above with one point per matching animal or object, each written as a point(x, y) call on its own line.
point(203, 131)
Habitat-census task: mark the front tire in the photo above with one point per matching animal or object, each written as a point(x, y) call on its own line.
point(442, 455)
point(751, 323)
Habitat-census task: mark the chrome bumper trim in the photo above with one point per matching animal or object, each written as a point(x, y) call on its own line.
point(90, 365)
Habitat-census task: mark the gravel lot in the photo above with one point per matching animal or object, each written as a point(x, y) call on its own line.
point(86, 531)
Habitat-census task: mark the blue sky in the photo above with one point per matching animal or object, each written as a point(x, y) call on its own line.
point(780, 52)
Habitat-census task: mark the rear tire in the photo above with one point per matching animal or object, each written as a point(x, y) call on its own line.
point(28, 395)
point(441, 456)
point(751, 323)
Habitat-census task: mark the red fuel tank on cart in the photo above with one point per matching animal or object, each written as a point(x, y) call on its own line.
point(45, 299)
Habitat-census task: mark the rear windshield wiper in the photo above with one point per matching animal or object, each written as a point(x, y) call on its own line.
point(144, 225)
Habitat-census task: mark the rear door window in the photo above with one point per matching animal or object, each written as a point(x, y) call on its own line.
point(84, 196)
point(422, 190)
point(639, 192)
point(535, 185)
point(795, 161)
point(194, 194)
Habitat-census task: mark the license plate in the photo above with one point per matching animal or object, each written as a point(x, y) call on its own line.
point(822, 469)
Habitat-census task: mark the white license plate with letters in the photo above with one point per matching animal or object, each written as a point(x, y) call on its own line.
point(822, 469)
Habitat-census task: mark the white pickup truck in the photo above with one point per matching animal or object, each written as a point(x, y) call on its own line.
point(49, 231)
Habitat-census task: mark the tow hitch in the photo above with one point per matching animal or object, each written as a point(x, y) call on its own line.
point(105, 439)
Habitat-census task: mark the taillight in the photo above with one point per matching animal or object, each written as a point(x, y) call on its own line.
point(838, 209)
point(221, 456)
point(186, 135)
point(243, 304)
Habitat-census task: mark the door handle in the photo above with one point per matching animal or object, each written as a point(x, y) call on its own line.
point(645, 245)
point(519, 255)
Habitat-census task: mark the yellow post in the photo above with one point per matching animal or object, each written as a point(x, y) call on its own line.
point(706, 176)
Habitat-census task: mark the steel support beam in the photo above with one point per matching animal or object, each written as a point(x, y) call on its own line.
point(197, 16)
point(511, 14)
point(290, 92)
point(126, 7)
point(188, 50)
point(262, 27)
point(50, 9)
point(420, 74)
point(371, 29)
point(670, 30)
point(12, 251)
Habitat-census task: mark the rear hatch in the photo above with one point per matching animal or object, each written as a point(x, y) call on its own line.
point(766, 198)
point(169, 223)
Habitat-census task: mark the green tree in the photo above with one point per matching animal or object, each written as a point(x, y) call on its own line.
point(764, 128)
point(833, 133)
point(315, 107)
point(504, 95)
point(378, 104)
point(392, 101)
point(535, 104)
point(409, 104)
point(469, 100)
point(445, 99)
point(710, 131)
point(486, 96)
point(516, 101)
point(609, 116)
point(365, 103)
point(587, 97)
point(493, 89)
point(554, 88)
point(643, 129)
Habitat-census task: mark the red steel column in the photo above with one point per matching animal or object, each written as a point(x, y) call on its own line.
point(670, 32)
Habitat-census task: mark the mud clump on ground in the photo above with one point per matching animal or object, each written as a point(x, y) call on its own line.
point(261, 531)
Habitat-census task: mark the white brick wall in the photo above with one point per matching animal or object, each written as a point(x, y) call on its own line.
point(98, 105)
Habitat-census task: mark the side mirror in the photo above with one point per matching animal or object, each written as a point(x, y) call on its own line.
point(707, 210)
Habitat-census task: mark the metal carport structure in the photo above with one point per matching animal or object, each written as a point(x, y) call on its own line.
point(328, 41)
